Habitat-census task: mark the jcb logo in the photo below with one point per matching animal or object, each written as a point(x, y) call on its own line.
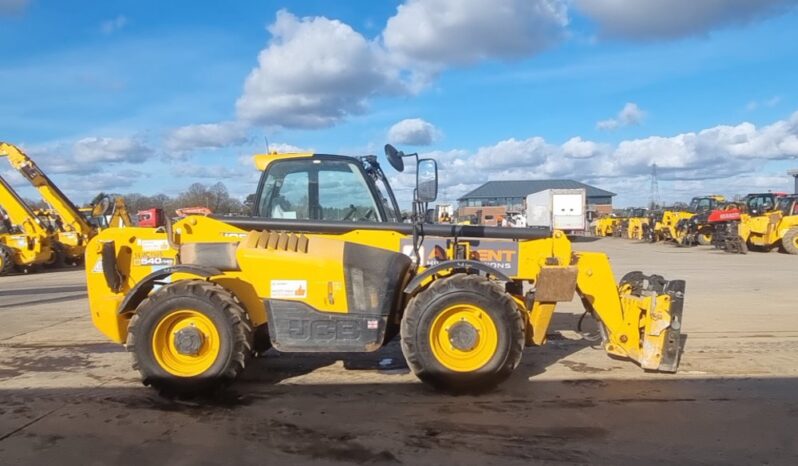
point(314, 330)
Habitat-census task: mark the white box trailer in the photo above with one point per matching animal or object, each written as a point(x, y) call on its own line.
point(557, 209)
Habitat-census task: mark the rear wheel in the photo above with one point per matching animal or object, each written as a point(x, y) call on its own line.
point(462, 334)
point(6, 260)
point(704, 239)
point(189, 338)
point(57, 257)
point(790, 241)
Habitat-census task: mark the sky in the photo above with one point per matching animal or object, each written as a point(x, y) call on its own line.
point(143, 96)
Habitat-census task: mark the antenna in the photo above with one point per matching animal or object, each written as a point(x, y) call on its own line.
point(266, 138)
point(654, 203)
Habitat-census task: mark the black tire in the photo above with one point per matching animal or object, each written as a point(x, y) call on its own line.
point(58, 258)
point(790, 241)
point(704, 239)
point(216, 304)
point(6, 260)
point(462, 289)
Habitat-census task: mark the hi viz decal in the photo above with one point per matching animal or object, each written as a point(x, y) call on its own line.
point(501, 255)
point(289, 289)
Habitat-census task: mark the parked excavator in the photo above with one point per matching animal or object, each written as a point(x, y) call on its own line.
point(75, 230)
point(322, 269)
point(25, 242)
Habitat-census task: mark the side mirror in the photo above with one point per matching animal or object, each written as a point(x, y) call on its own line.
point(426, 180)
point(395, 158)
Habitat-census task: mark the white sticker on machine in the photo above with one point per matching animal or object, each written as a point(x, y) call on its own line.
point(150, 245)
point(289, 289)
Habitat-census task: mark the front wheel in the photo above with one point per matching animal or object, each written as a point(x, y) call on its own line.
point(463, 334)
point(790, 241)
point(189, 338)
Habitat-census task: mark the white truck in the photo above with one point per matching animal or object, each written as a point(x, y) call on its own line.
point(557, 209)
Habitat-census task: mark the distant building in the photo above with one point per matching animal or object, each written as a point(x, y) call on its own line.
point(494, 198)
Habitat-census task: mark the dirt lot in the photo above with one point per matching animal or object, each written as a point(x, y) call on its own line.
point(69, 397)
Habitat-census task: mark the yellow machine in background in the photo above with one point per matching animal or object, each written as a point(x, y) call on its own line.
point(774, 228)
point(106, 211)
point(606, 226)
point(322, 269)
point(75, 231)
point(668, 224)
point(637, 223)
point(24, 241)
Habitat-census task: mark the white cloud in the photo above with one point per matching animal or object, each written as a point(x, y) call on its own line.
point(96, 149)
point(434, 34)
point(112, 25)
point(578, 148)
point(724, 158)
point(104, 181)
point(668, 19)
point(211, 135)
point(767, 103)
point(205, 171)
point(314, 73)
point(283, 148)
point(629, 115)
point(414, 132)
point(11, 7)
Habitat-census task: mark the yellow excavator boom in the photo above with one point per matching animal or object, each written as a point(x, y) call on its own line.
point(75, 229)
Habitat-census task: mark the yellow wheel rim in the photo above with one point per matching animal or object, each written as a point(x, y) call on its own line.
point(463, 338)
point(182, 362)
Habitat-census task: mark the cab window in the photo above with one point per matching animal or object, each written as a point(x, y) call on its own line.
point(317, 189)
point(760, 203)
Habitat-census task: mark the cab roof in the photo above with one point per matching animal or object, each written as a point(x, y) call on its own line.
point(264, 160)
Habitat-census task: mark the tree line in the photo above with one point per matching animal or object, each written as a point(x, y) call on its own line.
point(215, 197)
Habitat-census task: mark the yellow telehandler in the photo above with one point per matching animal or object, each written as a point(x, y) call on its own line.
point(74, 230)
point(672, 224)
point(25, 242)
point(325, 264)
point(765, 228)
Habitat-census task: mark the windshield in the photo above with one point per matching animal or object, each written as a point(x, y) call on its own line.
point(788, 205)
point(760, 203)
point(386, 198)
point(701, 203)
point(317, 189)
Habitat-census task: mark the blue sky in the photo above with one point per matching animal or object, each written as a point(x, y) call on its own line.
point(141, 96)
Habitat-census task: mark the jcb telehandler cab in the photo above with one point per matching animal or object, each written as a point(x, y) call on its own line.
point(325, 264)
